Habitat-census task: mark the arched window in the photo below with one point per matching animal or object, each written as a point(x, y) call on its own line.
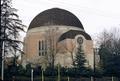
point(42, 47)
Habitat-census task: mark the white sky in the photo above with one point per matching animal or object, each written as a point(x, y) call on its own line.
point(95, 15)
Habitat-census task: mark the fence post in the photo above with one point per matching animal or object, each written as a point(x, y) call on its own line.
point(31, 74)
point(42, 75)
point(58, 72)
point(112, 78)
point(68, 78)
point(91, 79)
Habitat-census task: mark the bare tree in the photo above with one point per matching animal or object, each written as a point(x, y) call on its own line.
point(69, 46)
point(51, 36)
point(109, 42)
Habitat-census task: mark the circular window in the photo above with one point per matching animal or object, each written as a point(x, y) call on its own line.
point(80, 40)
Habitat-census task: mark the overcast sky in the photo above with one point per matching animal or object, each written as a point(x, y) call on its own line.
point(95, 15)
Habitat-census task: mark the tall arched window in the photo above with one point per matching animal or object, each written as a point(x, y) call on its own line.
point(42, 47)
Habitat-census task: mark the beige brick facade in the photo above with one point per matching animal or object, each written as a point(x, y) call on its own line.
point(65, 47)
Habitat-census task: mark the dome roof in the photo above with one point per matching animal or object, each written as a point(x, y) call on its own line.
point(72, 33)
point(55, 16)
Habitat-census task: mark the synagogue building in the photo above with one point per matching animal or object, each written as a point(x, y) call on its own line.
point(53, 37)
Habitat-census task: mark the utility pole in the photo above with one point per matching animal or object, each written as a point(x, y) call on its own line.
point(94, 62)
point(3, 47)
point(3, 53)
point(93, 78)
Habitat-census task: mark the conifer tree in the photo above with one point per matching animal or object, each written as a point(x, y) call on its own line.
point(10, 29)
point(80, 58)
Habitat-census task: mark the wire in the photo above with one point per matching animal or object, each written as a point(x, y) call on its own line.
point(85, 9)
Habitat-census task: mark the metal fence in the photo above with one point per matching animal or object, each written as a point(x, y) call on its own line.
point(64, 79)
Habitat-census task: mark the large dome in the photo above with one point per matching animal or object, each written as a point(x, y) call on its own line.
point(55, 16)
